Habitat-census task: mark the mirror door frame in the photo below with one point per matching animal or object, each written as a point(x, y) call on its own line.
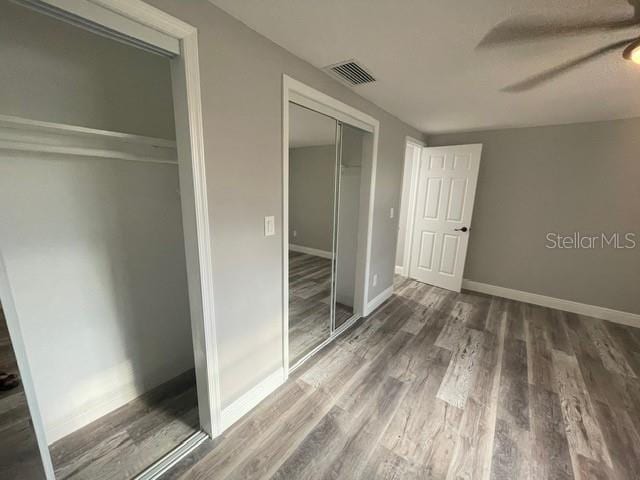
point(306, 96)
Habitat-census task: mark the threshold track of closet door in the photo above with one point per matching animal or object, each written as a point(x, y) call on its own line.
point(164, 464)
point(335, 334)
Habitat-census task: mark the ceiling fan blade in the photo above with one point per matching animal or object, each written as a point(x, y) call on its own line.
point(538, 28)
point(554, 72)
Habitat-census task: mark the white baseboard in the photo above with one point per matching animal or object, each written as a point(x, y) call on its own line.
point(378, 300)
point(400, 270)
point(310, 251)
point(250, 399)
point(603, 313)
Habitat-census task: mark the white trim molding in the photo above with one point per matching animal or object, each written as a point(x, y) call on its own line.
point(98, 18)
point(603, 313)
point(382, 297)
point(410, 170)
point(249, 400)
point(310, 251)
point(415, 141)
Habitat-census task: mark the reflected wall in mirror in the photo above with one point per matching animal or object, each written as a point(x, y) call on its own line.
point(349, 193)
point(312, 185)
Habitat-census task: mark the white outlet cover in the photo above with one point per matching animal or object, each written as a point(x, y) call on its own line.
point(269, 226)
point(391, 213)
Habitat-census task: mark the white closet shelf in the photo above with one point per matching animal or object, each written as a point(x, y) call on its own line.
point(25, 135)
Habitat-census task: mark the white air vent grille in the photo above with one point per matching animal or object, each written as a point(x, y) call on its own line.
point(351, 72)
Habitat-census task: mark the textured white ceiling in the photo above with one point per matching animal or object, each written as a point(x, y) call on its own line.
point(430, 73)
point(308, 128)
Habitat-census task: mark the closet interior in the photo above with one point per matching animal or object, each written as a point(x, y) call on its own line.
point(93, 248)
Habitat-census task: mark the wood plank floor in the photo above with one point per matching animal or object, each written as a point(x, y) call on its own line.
point(126, 441)
point(309, 303)
point(442, 385)
point(19, 454)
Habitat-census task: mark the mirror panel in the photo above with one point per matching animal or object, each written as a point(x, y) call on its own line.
point(19, 453)
point(312, 185)
point(348, 215)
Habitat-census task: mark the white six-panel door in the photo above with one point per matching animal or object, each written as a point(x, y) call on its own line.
point(447, 178)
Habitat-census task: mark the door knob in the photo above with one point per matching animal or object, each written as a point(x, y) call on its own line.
point(463, 229)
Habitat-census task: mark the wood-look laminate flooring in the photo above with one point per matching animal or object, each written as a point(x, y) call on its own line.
point(19, 454)
point(124, 442)
point(440, 385)
point(309, 303)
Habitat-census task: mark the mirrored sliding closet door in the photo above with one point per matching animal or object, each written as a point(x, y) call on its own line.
point(313, 141)
point(347, 225)
point(325, 190)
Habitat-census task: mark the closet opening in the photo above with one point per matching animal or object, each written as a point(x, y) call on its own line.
point(330, 175)
point(105, 262)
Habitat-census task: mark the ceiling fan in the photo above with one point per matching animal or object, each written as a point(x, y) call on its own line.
point(536, 28)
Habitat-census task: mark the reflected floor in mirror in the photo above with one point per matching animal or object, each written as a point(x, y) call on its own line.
point(126, 441)
point(19, 455)
point(309, 303)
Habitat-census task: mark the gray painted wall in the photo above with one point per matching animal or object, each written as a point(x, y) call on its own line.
point(311, 196)
point(53, 71)
point(241, 75)
point(570, 178)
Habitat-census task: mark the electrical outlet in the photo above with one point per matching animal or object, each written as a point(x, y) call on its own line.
point(391, 213)
point(269, 226)
point(375, 279)
point(295, 233)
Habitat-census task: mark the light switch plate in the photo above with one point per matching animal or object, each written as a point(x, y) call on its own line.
point(269, 226)
point(391, 213)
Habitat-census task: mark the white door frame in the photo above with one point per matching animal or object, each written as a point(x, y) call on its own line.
point(407, 207)
point(298, 92)
point(185, 75)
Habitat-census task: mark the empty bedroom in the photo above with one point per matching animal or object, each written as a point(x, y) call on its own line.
point(350, 239)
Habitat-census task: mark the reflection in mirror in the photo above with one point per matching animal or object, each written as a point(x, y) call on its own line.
point(312, 172)
point(19, 454)
point(348, 214)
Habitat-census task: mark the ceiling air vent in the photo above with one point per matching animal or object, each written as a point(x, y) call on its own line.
point(350, 72)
